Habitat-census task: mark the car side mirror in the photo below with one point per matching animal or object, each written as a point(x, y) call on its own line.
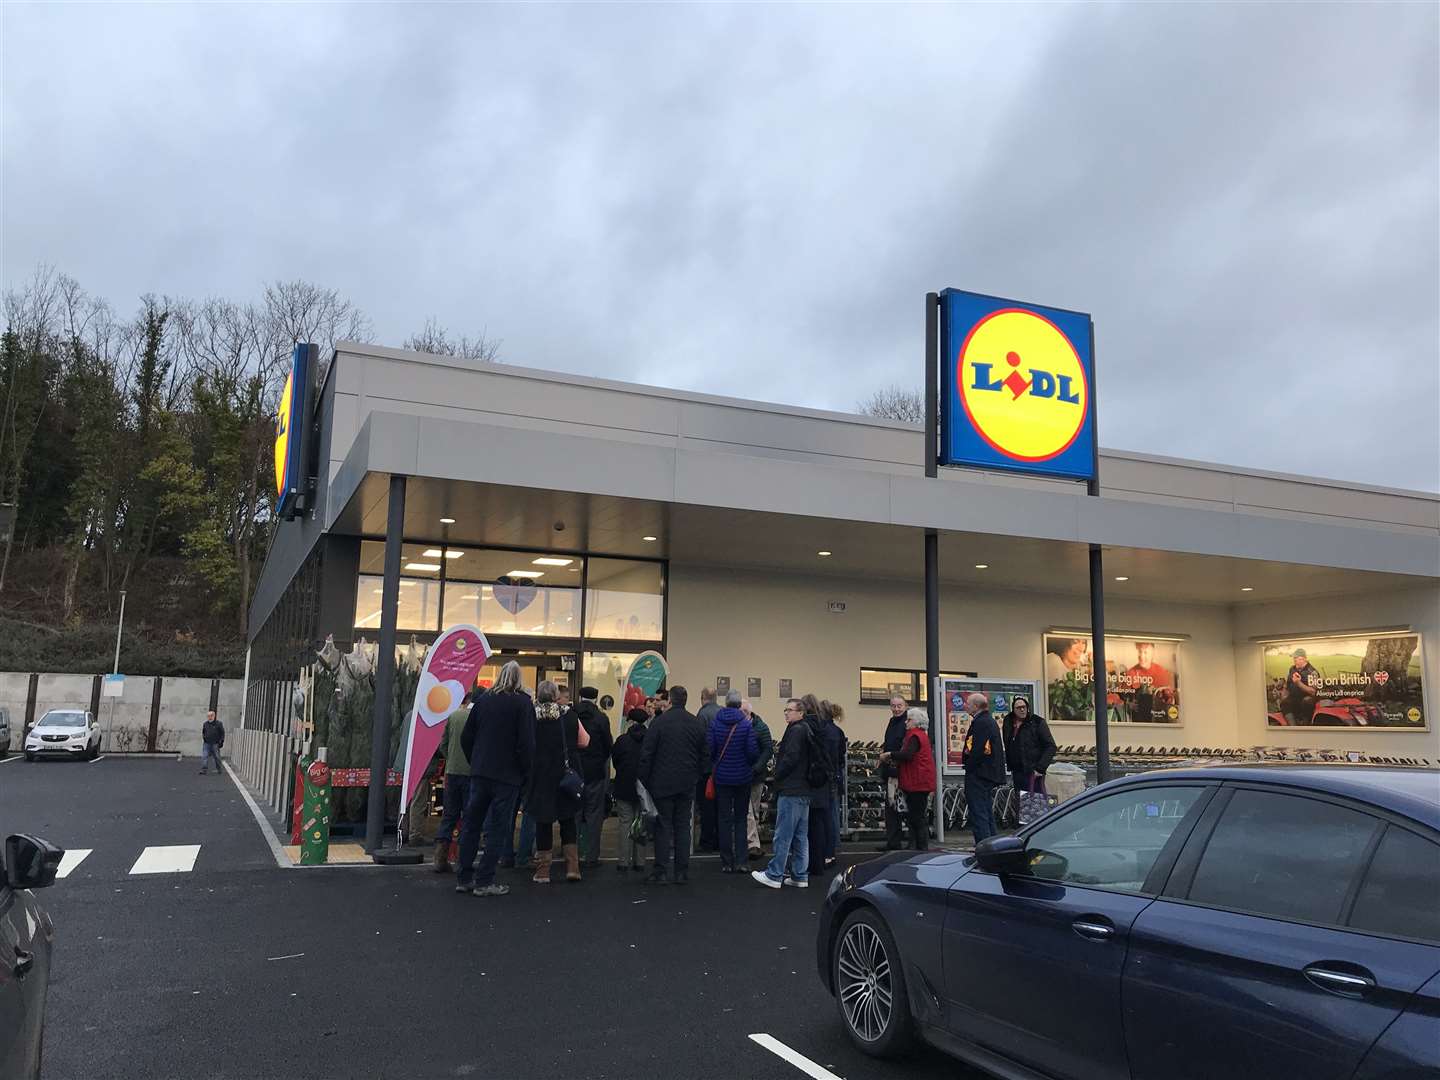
point(31, 863)
point(1002, 855)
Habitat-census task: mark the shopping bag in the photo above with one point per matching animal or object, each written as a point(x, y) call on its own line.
point(649, 815)
point(1034, 804)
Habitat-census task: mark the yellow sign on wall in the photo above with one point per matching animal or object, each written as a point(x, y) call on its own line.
point(282, 434)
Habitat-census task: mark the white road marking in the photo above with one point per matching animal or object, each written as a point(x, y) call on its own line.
point(167, 859)
point(275, 849)
point(100, 758)
point(72, 858)
point(287, 956)
point(9, 757)
point(800, 1061)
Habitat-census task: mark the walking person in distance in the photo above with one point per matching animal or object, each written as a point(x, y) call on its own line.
point(212, 738)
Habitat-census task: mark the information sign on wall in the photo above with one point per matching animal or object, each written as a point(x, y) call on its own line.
point(1345, 681)
point(953, 692)
point(1016, 387)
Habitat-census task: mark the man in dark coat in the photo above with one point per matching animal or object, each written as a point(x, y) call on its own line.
point(499, 741)
point(894, 740)
point(709, 819)
point(674, 760)
point(984, 766)
point(595, 771)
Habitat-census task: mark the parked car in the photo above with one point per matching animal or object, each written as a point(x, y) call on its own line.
point(4, 730)
point(1230, 922)
point(64, 733)
point(26, 936)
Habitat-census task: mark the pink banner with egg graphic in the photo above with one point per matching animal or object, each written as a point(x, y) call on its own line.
point(451, 667)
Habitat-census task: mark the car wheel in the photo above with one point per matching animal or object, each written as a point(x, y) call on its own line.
point(29, 756)
point(94, 752)
point(870, 986)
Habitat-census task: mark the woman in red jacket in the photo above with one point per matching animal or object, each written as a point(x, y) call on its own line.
point(917, 775)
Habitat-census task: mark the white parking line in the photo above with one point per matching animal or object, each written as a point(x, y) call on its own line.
point(799, 1060)
point(276, 851)
point(167, 859)
point(72, 858)
point(9, 758)
point(100, 758)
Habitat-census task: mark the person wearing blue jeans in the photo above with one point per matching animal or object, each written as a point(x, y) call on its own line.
point(491, 807)
point(525, 851)
point(791, 864)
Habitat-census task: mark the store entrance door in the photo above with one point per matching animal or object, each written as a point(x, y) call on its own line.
point(535, 668)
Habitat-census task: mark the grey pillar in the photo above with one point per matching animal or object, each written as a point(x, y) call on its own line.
point(1097, 599)
point(385, 667)
point(932, 553)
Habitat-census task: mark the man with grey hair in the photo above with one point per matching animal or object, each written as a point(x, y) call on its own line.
point(893, 740)
point(984, 760)
point(709, 819)
point(757, 777)
point(499, 741)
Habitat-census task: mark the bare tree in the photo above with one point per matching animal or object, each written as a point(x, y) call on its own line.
point(895, 403)
point(300, 311)
point(436, 340)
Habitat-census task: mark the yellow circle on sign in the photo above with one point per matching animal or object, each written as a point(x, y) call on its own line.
point(1173, 713)
point(1023, 385)
point(282, 434)
point(1414, 715)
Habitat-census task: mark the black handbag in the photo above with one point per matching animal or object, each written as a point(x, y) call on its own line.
point(572, 784)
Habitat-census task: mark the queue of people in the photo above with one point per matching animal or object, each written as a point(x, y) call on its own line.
point(547, 764)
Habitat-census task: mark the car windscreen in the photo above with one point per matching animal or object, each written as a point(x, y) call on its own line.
point(62, 720)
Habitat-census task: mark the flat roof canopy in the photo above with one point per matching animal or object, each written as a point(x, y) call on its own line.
point(497, 515)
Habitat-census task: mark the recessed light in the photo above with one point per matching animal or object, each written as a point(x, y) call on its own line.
point(649, 539)
point(1247, 588)
point(547, 561)
point(449, 553)
point(574, 569)
point(526, 573)
point(471, 596)
point(422, 566)
point(1121, 577)
point(447, 521)
point(824, 554)
point(982, 566)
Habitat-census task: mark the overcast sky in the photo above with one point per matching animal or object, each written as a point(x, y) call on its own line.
point(753, 200)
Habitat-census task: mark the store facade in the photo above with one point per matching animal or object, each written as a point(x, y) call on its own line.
point(579, 522)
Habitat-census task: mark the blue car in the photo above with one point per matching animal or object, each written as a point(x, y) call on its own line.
point(1226, 923)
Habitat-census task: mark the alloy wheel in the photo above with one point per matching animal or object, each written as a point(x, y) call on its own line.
point(865, 988)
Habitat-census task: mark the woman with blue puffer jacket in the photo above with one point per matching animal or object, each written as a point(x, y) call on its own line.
point(734, 749)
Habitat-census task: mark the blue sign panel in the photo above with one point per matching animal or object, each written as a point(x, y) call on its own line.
point(1017, 387)
point(292, 433)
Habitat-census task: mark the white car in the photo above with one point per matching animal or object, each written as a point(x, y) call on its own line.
point(64, 733)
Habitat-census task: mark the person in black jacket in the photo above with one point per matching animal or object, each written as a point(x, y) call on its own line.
point(894, 740)
point(559, 738)
point(674, 760)
point(793, 790)
point(595, 770)
point(626, 756)
point(1029, 746)
point(499, 741)
point(984, 760)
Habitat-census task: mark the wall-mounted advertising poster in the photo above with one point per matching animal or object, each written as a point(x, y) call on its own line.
point(1142, 679)
point(954, 691)
point(1345, 681)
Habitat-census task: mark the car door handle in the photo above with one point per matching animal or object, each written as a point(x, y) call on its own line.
point(1095, 931)
point(1339, 981)
point(24, 961)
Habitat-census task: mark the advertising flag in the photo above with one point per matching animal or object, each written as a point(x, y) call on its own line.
point(451, 667)
point(647, 674)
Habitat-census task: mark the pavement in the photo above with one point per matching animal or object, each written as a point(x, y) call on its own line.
point(219, 963)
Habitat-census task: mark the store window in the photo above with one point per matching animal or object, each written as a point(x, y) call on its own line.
point(624, 600)
point(879, 685)
point(522, 594)
point(606, 672)
point(419, 607)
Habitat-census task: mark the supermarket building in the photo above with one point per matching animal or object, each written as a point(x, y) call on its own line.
point(580, 521)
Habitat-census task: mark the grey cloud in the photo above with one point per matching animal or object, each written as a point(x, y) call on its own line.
point(753, 200)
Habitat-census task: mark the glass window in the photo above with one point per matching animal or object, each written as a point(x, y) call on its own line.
point(1112, 843)
point(419, 603)
point(1401, 892)
point(521, 593)
point(925, 684)
point(879, 685)
point(624, 600)
point(606, 672)
point(1283, 855)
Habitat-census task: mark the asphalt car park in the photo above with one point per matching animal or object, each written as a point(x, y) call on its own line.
point(235, 967)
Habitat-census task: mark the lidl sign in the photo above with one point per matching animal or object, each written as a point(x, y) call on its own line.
point(292, 430)
point(1016, 387)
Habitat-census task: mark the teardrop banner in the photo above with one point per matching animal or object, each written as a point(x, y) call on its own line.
point(647, 674)
point(451, 667)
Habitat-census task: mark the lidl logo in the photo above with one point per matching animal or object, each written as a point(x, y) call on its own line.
point(1017, 387)
point(1022, 384)
point(282, 434)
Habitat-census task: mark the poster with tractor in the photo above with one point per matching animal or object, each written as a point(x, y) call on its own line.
point(1350, 681)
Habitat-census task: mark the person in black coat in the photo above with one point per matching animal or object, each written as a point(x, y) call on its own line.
point(674, 760)
point(626, 757)
point(595, 770)
point(499, 741)
point(1029, 746)
point(984, 760)
point(558, 740)
point(894, 740)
